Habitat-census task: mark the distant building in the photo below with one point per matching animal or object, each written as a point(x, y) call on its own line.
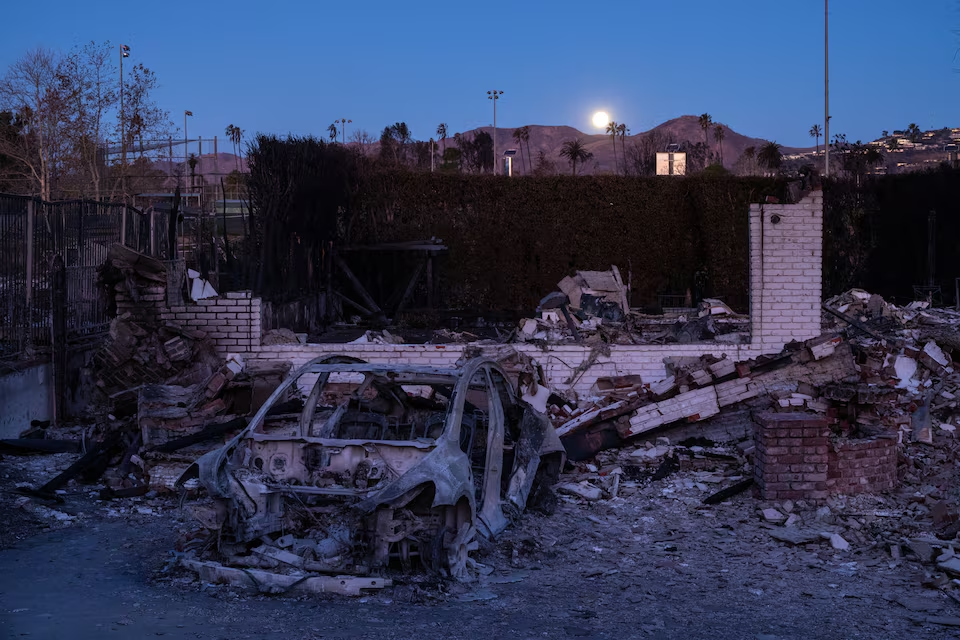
point(671, 163)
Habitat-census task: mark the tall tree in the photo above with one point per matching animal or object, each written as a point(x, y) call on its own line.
point(706, 121)
point(88, 83)
point(815, 132)
point(575, 151)
point(31, 90)
point(442, 135)
point(913, 132)
point(770, 156)
point(518, 138)
point(718, 136)
point(235, 135)
point(623, 130)
point(612, 130)
point(145, 119)
point(525, 135)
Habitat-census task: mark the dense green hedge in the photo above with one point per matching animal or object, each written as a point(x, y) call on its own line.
point(512, 240)
point(876, 234)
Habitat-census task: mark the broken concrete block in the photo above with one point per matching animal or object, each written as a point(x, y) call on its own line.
point(794, 536)
point(774, 515)
point(583, 490)
point(825, 349)
point(922, 549)
point(836, 541)
point(951, 565)
point(937, 354)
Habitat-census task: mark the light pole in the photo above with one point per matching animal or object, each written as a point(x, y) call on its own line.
point(494, 95)
point(826, 88)
point(343, 122)
point(186, 154)
point(124, 53)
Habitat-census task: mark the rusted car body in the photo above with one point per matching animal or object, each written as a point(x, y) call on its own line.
point(382, 464)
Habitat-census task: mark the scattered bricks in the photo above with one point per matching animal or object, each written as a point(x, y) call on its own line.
point(216, 384)
point(723, 368)
point(213, 407)
point(177, 349)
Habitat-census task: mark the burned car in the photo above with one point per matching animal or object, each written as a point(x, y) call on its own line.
point(379, 465)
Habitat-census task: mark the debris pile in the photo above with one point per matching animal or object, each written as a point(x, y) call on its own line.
point(592, 307)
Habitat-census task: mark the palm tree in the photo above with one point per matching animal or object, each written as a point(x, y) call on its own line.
point(718, 136)
point(612, 130)
point(575, 151)
point(332, 130)
point(815, 132)
point(526, 138)
point(442, 134)
point(770, 157)
point(235, 134)
point(913, 132)
point(518, 138)
point(705, 120)
point(623, 130)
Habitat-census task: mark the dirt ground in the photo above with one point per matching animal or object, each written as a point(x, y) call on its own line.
point(654, 564)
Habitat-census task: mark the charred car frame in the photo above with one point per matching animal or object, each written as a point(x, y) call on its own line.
point(379, 465)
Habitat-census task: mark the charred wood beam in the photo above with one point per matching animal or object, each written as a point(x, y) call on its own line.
point(358, 286)
point(94, 460)
point(209, 432)
point(356, 305)
point(411, 286)
point(853, 322)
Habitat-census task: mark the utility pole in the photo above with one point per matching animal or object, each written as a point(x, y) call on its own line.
point(826, 88)
point(494, 95)
point(124, 53)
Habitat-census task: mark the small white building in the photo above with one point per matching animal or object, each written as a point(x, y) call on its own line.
point(671, 163)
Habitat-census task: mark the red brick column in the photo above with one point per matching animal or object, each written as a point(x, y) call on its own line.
point(791, 457)
point(862, 466)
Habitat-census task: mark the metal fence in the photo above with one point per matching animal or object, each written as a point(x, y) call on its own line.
point(32, 234)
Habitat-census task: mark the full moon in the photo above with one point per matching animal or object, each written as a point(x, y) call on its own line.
point(600, 119)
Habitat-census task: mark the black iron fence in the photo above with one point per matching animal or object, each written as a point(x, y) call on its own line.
point(35, 238)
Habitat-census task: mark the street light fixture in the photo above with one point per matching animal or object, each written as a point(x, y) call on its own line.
point(494, 95)
point(343, 128)
point(124, 53)
point(186, 154)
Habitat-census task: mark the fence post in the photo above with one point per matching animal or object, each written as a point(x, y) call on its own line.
point(153, 235)
point(123, 226)
point(29, 265)
point(58, 328)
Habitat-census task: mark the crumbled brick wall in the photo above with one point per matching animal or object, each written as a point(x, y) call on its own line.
point(147, 308)
point(795, 458)
point(862, 466)
point(232, 321)
point(790, 459)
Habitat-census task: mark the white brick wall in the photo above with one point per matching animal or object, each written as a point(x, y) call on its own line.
point(786, 276)
point(785, 289)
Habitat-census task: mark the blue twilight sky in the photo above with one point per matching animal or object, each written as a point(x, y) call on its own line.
point(755, 65)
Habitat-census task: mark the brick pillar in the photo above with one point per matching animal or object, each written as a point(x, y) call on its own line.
point(786, 255)
point(791, 458)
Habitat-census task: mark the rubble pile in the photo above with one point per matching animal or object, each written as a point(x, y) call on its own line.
point(592, 307)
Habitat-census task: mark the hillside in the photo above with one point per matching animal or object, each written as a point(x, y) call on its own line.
point(550, 139)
